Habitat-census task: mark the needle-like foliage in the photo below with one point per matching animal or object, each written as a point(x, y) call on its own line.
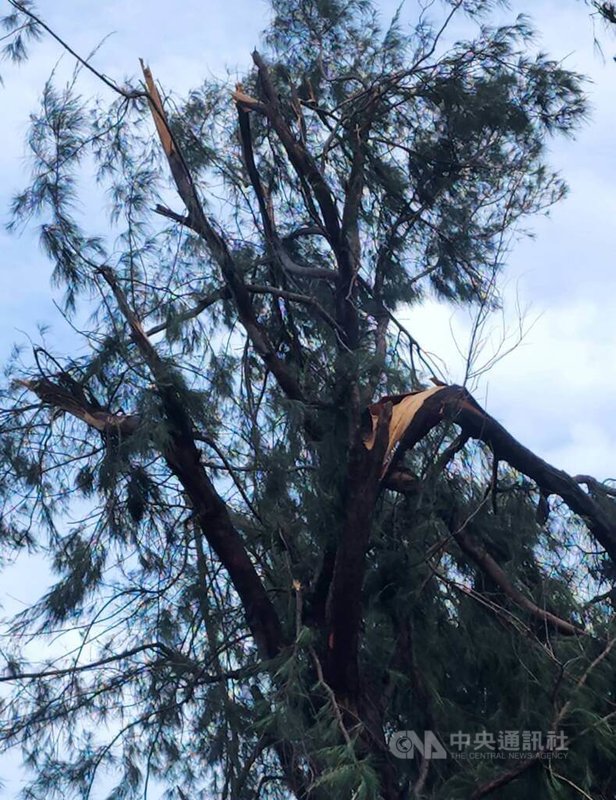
point(261, 569)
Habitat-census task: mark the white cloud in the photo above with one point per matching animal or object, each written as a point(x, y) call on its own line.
point(556, 392)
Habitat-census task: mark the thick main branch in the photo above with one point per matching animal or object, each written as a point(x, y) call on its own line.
point(455, 404)
point(184, 460)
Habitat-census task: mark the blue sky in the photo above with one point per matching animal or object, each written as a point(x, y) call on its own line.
point(555, 392)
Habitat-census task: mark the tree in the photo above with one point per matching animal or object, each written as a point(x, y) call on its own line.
point(275, 546)
point(606, 10)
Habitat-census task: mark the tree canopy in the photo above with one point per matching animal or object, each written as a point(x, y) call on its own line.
point(279, 538)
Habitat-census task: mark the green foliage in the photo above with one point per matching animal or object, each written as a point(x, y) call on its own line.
point(157, 673)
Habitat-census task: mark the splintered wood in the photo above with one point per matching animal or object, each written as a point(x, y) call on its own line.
point(404, 409)
point(156, 106)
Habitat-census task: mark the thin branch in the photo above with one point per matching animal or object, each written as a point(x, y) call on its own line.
point(57, 673)
point(490, 567)
point(191, 313)
point(595, 486)
point(129, 95)
point(296, 297)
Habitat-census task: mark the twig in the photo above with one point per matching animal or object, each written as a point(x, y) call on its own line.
point(129, 95)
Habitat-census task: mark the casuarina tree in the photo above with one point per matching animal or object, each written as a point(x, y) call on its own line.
point(289, 559)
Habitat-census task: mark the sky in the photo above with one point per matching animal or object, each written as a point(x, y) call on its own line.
point(555, 392)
